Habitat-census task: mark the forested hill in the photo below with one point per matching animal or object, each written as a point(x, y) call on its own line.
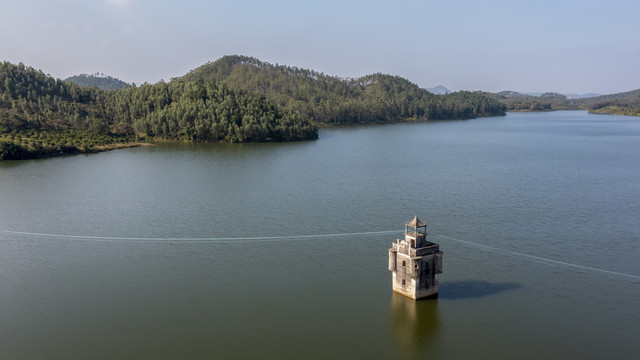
point(515, 101)
point(43, 116)
point(98, 80)
point(626, 103)
point(328, 100)
point(234, 99)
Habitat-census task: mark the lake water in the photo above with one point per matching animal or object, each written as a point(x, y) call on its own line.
point(187, 251)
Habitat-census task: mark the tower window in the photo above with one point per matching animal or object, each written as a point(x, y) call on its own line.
point(404, 263)
point(403, 282)
point(416, 266)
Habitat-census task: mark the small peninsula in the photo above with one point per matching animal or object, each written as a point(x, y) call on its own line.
point(234, 99)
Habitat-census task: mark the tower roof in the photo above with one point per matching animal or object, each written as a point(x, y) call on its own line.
point(415, 222)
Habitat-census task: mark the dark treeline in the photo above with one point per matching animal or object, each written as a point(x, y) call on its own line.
point(330, 100)
point(41, 116)
point(627, 103)
point(98, 80)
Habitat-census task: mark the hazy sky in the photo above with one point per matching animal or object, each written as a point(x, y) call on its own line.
point(523, 45)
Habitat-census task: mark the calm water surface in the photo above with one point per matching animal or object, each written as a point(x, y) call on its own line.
point(563, 186)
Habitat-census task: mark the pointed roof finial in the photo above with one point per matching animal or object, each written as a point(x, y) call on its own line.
point(415, 222)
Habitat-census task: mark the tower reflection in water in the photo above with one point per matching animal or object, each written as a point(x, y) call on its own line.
point(414, 324)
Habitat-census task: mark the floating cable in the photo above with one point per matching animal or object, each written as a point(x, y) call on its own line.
point(195, 239)
point(492, 249)
point(542, 260)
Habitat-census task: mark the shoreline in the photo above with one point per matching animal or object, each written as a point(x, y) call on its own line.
point(72, 150)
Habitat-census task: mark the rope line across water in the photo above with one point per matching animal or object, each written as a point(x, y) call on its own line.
point(528, 257)
point(195, 239)
point(546, 261)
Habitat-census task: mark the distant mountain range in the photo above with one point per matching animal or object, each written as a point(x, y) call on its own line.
point(570, 96)
point(582, 96)
point(439, 90)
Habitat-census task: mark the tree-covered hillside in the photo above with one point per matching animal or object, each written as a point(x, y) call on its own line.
point(331, 100)
point(515, 101)
point(43, 116)
point(199, 111)
point(235, 99)
point(98, 80)
point(29, 99)
point(627, 103)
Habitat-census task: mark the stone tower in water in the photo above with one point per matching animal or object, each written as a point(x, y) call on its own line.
point(415, 262)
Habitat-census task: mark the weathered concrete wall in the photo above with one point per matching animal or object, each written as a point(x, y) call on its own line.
point(393, 259)
point(415, 270)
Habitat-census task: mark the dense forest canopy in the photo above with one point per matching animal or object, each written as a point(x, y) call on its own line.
point(234, 99)
point(330, 100)
point(40, 115)
point(199, 111)
point(98, 80)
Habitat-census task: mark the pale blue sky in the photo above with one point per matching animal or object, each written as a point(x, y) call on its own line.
point(493, 45)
